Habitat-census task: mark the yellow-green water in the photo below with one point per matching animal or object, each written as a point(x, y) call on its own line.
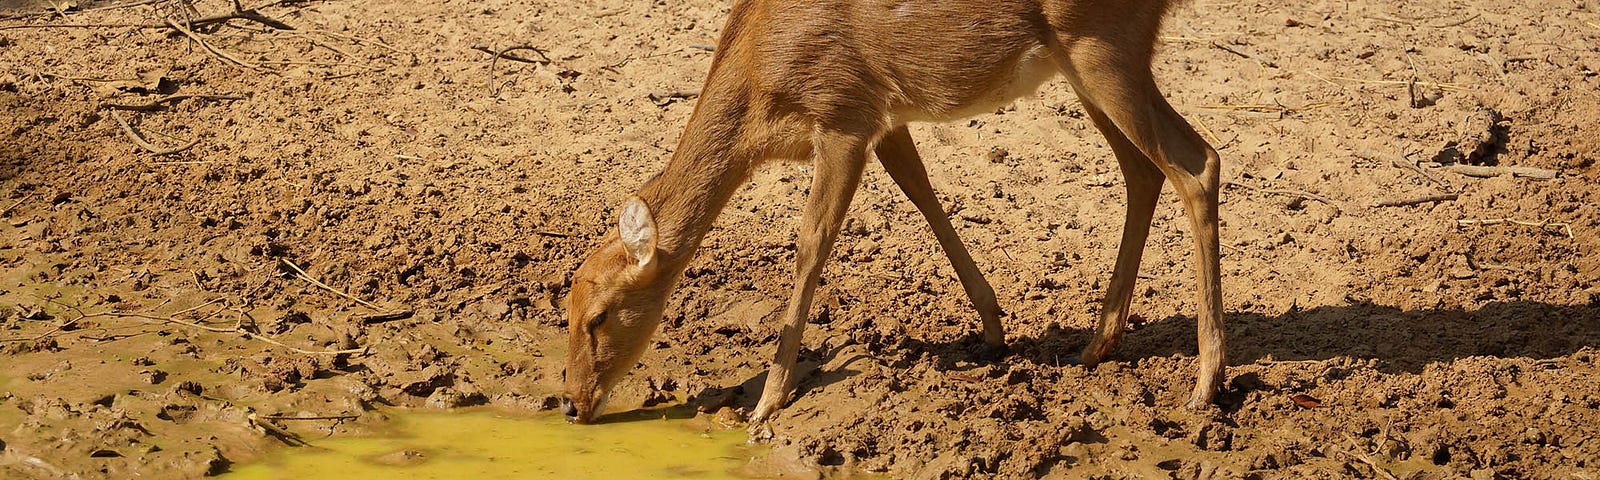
point(486, 445)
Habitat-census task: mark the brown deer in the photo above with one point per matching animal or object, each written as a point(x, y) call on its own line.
point(835, 82)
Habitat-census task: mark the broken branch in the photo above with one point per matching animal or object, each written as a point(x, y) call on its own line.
point(1443, 197)
point(207, 46)
point(542, 60)
point(1491, 172)
point(314, 417)
point(162, 102)
point(1402, 161)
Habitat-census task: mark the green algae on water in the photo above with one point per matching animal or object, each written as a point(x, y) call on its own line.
point(486, 445)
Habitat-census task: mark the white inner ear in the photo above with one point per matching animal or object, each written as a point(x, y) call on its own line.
point(638, 231)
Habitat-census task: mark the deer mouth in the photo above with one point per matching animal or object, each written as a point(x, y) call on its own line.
point(583, 416)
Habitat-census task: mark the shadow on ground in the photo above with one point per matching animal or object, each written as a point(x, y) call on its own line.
point(1402, 341)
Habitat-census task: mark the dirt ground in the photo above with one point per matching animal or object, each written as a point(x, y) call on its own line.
point(151, 322)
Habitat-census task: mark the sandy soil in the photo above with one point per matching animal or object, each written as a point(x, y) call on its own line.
point(373, 147)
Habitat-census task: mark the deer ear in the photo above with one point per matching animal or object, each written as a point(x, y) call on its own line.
point(638, 232)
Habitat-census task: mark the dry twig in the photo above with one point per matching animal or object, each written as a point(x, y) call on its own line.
point(1490, 172)
point(241, 332)
point(1224, 48)
point(1277, 109)
point(1402, 161)
point(207, 46)
point(386, 316)
point(280, 433)
point(1292, 193)
point(86, 10)
point(1215, 142)
point(161, 103)
point(140, 141)
point(494, 91)
point(239, 13)
point(1474, 264)
point(372, 68)
point(1441, 86)
point(1442, 197)
point(172, 319)
point(1378, 469)
point(1458, 23)
point(662, 99)
point(542, 60)
point(314, 417)
point(359, 40)
point(1542, 224)
point(324, 286)
point(14, 206)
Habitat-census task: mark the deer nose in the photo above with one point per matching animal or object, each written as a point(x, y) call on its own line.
point(568, 409)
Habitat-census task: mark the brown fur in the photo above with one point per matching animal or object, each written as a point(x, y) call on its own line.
point(832, 81)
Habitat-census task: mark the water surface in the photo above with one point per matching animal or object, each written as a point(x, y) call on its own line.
point(489, 445)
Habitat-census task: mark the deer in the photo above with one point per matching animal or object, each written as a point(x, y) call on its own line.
point(835, 82)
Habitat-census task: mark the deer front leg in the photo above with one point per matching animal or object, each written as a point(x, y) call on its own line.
point(898, 154)
point(839, 159)
point(1130, 99)
point(1143, 181)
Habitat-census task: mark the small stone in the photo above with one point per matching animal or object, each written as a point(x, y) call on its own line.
point(1129, 454)
point(401, 458)
point(189, 386)
point(1101, 180)
point(729, 417)
point(495, 309)
point(997, 155)
point(978, 218)
point(446, 397)
point(1432, 96)
point(376, 241)
point(1533, 436)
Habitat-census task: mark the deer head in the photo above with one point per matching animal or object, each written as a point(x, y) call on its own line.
point(617, 297)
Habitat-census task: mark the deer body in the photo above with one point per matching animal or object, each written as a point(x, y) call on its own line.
point(834, 82)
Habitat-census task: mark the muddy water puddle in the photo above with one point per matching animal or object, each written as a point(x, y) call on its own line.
point(488, 445)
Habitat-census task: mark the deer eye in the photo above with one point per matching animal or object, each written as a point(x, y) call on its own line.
point(596, 321)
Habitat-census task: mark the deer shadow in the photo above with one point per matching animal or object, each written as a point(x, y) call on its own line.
point(812, 372)
point(1401, 341)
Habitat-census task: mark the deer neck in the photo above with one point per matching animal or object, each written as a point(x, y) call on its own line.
point(710, 164)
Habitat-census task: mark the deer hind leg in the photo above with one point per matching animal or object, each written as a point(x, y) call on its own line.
point(839, 159)
point(1130, 100)
point(898, 154)
point(1143, 181)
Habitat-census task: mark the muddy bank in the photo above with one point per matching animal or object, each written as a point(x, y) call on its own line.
point(151, 323)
